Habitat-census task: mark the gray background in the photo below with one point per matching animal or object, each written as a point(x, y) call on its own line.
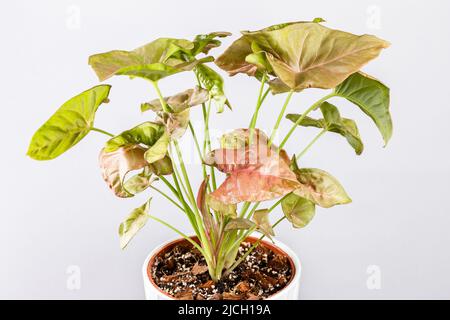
point(59, 213)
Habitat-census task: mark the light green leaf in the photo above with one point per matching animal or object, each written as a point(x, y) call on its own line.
point(261, 219)
point(320, 187)
point(372, 97)
point(298, 210)
point(157, 53)
point(239, 224)
point(333, 122)
point(162, 167)
point(68, 125)
point(150, 134)
point(213, 82)
point(221, 208)
point(158, 150)
point(139, 182)
point(134, 222)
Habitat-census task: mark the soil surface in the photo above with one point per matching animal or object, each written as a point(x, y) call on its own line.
point(183, 274)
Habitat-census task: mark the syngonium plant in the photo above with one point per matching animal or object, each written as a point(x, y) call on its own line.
point(285, 58)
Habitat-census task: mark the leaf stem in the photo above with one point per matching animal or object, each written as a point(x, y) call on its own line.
point(300, 119)
point(165, 195)
point(102, 131)
point(311, 143)
point(184, 173)
point(203, 237)
point(180, 233)
point(207, 143)
point(197, 146)
point(280, 117)
point(258, 106)
point(161, 98)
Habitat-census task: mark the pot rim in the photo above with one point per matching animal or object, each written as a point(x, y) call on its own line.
point(277, 246)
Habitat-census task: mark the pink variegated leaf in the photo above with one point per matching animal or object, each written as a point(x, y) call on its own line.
point(115, 166)
point(256, 172)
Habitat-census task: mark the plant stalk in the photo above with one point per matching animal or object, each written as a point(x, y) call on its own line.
point(311, 143)
point(102, 131)
point(161, 98)
point(280, 117)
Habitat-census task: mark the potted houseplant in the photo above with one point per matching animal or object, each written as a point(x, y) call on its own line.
point(222, 260)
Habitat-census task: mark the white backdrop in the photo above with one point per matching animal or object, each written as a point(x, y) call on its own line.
point(58, 218)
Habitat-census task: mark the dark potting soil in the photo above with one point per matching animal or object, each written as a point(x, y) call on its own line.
point(183, 274)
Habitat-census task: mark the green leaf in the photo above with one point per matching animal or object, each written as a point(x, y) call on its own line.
point(333, 122)
point(134, 222)
point(320, 187)
point(158, 150)
point(162, 167)
point(239, 224)
point(372, 97)
point(68, 125)
point(205, 42)
point(213, 82)
point(150, 134)
point(261, 219)
point(139, 182)
point(298, 210)
point(221, 208)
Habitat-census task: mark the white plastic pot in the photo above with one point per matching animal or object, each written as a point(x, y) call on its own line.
point(290, 292)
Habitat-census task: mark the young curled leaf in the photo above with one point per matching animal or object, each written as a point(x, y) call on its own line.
point(320, 187)
point(134, 222)
point(115, 166)
point(152, 135)
point(205, 42)
point(239, 224)
point(298, 210)
point(180, 101)
point(214, 83)
point(255, 172)
point(261, 219)
point(177, 121)
point(333, 122)
point(68, 125)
